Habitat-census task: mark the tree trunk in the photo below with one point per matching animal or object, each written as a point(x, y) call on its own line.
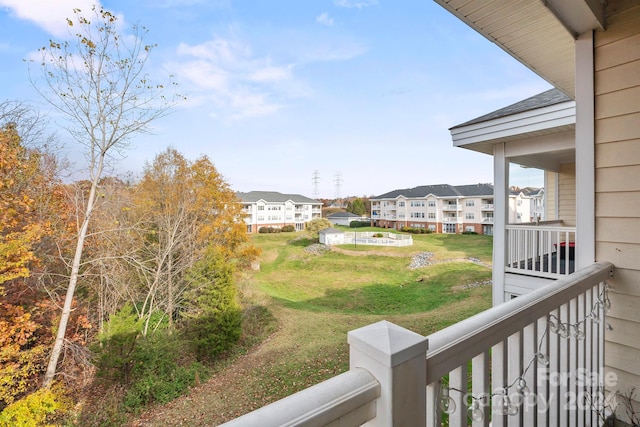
point(73, 281)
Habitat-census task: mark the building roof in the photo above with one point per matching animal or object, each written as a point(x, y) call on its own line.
point(440, 190)
point(343, 215)
point(274, 197)
point(544, 99)
point(527, 191)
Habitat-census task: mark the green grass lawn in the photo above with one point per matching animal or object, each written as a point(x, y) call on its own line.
point(317, 299)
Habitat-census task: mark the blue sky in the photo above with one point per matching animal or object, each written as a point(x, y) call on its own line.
point(279, 89)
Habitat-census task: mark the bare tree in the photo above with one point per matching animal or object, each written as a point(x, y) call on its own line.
point(98, 83)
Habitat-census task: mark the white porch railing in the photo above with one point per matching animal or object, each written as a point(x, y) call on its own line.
point(545, 250)
point(536, 360)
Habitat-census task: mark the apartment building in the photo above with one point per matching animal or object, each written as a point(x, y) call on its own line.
point(526, 205)
point(440, 208)
point(273, 209)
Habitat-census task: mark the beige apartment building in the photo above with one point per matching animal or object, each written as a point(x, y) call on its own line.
point(439, 208)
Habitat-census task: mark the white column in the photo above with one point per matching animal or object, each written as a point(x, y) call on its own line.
point(585, 152)
point(500, 216)
point(397, 358)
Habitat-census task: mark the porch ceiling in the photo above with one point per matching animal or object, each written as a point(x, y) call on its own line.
point(538, 33)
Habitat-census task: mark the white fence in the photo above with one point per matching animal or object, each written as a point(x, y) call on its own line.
point(367, 238)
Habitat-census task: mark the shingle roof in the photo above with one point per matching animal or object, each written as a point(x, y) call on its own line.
point(440, 190)
point(526, 191)
point(343, 215)
point(544, 99)
point(273, 197)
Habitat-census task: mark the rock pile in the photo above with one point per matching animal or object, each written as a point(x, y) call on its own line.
point(420, 260)
point(316, 249)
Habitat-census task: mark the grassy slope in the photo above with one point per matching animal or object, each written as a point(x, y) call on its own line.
point(317, 299)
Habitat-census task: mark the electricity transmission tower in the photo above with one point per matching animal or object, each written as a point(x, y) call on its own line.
point(316, 181)
point(337, 180)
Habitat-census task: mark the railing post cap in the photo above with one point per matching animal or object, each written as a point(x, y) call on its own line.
point(388, 343)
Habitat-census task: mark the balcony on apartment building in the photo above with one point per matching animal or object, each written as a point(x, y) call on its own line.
point(545, 249)
point(451, 206)
point(512, 364)
point(487, 205)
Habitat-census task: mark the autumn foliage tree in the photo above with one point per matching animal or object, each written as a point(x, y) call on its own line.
point(184, 208)
point(25, 184)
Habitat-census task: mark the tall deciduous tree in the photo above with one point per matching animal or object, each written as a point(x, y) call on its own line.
point(97, 80)
point(185, 207)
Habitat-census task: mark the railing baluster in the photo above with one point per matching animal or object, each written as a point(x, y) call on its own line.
point(574, 343)
point(600, 343)
point(581, 367)
point(552, 379)
point(458, 384)
point(480, 386)
point(514, 370)
point(563, 353)
point(433, 409)
point(527, 250)
point(498, 378)
point(529, 349)
point(588, 362)
point(542, 371)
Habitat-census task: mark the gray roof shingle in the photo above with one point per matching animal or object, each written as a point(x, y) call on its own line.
point(343, 215)
point(544, 99)
point(440, 190)
point(273, 197)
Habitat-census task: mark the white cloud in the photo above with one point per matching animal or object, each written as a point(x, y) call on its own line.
point(357, 4)
point(225, 74)
point(324, 19)
point(49, 15)
point(271, 74)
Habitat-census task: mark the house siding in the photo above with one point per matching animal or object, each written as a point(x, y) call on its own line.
point(550, 191)
point(567, 194)
point(617, 137)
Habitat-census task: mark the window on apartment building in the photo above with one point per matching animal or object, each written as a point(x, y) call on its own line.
point(432, 227)
point(470, 203)
point(260, 218)
point(469, 215)
point(401, 204)
point(260, 207)
point(469, 228)
point(432, 215)
point(519, 202)
point(432, 203)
